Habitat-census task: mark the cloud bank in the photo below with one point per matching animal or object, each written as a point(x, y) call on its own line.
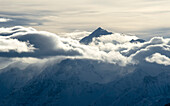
point(27, 42)
point(21, 42)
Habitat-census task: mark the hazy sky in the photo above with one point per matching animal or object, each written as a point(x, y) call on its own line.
point(143, 17)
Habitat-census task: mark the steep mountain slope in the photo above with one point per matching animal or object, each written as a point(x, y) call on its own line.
point(12, 78)
point(63, 84)
point(89, 82)
point(138, 89)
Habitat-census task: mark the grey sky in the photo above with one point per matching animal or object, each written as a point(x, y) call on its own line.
point(130, 16)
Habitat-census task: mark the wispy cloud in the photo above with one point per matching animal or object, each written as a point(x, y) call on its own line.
point(122, 16)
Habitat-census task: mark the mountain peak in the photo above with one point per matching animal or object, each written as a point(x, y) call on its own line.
point(100, 31)
point(97, 33)
point(99, 28)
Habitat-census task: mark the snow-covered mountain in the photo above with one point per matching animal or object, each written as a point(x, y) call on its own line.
point(12, 78)
point(89, 82)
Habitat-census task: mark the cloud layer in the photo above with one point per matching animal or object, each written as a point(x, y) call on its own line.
point(27, 42)
point(19, 42)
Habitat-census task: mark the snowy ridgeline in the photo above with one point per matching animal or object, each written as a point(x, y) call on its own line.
point(110, 70)
point(87, 82)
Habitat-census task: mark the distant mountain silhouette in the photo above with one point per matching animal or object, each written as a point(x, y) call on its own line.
point(97, 33)
point(137, 41)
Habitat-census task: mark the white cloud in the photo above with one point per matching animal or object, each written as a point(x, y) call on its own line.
point(7, 45)
point(159, 59)
point(4, 20)
point(154, 42)
point(115, 38)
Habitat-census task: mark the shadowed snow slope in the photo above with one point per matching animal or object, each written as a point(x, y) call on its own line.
point(89, 82)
